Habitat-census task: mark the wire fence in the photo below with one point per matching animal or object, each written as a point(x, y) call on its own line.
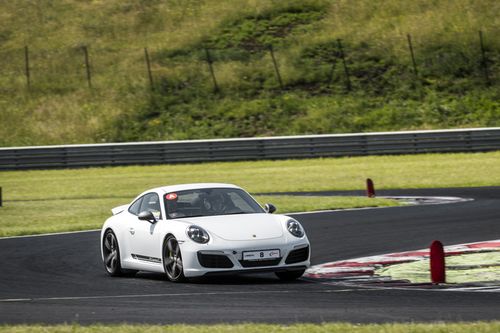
point(28, 68)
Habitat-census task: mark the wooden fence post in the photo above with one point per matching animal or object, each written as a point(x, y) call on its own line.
point(27, 66)
point(148, 67)
point(87, 66)
point(212, 73)
point(346, 70)
point(484, 62)
point(276, 69)
point(410, 46)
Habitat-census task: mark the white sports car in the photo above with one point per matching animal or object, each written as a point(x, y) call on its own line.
point(198, 230)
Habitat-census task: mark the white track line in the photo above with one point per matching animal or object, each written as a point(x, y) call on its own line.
point(361, 287)
point(222, 293)
point(445, 200)
point(295, 213)
point(51, 234)
point(287, 214)
point(340, 210)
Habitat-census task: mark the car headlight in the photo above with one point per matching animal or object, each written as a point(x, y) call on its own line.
point(197, 234)
point(295, 228)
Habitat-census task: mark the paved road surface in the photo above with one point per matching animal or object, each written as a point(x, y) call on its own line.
point(60, 278)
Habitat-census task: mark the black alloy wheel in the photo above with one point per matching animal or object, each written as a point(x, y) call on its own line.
point(172, 260)
point(111, 254)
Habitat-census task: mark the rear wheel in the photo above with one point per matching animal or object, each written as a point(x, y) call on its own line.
point(290, 275)
point(172, 260)
point(111, 253)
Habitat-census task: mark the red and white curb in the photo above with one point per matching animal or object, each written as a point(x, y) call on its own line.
point(421, 200)
point(362, 271)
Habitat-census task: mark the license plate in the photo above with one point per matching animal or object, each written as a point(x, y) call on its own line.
point(261, 255)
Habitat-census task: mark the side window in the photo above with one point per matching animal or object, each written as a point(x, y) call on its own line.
point(151, 202)
point(134, 208)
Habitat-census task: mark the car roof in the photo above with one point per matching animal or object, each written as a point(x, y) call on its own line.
point(183, 187)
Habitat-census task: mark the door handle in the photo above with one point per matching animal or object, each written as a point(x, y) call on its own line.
point(132, 230)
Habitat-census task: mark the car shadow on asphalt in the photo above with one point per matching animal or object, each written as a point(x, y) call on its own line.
point(241, 279)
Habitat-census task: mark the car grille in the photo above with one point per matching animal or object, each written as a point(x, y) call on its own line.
point(260, 263)
point(298, 255)
point(214, 260)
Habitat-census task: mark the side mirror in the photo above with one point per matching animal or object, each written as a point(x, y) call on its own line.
point(147, 216)
point(269, 208)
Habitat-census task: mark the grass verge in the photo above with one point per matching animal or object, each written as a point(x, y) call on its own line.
point(58, 215)
point(347, 173)
point(477, 327)
point(474, 267)
point(450, 91)
point(60, 200)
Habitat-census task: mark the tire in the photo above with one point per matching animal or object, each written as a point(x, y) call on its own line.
point(290, 275)
point(111, 253)
point(172, 260)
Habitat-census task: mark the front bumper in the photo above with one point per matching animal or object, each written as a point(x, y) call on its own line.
point(286, 268)
point(233, 251)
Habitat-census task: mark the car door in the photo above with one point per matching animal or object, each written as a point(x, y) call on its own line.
point(129, 219)
point(146, 237)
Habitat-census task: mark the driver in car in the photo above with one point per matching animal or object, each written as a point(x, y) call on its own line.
point(218, 203)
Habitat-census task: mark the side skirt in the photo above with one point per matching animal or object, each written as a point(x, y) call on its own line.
point(146, 258)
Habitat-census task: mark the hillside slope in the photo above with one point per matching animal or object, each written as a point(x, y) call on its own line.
point(376, 88)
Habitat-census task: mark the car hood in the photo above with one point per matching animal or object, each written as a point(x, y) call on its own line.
point(240, 227)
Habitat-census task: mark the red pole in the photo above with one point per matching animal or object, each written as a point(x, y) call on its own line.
point(370, 188)
point(438, 274)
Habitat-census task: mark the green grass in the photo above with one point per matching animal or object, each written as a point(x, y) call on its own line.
point(47, 216)
point(42, 201)
point(477, 327)
point(290, 204)
point(59, 108)
point(418, 271)
point(56, 215)
point(347, 173)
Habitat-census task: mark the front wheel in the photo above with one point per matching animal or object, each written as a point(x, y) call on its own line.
point(172, 260)
point(290, 275)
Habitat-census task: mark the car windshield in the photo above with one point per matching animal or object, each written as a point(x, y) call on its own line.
point(209, 202)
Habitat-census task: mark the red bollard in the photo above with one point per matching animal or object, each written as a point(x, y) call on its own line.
point(370, 188)
point(438, 273)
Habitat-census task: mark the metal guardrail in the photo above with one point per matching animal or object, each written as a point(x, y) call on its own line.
point(309, 146)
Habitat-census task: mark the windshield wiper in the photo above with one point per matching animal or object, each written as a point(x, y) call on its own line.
point(237, 213)
point(202, 215)
point(188, 216)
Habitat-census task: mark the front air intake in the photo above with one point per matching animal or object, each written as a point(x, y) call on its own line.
point(214, 260)
point(298, 255)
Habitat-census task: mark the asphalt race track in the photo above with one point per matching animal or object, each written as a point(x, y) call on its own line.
point(60, 278)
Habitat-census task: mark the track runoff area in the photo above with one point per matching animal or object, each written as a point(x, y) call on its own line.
point(60, 278)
